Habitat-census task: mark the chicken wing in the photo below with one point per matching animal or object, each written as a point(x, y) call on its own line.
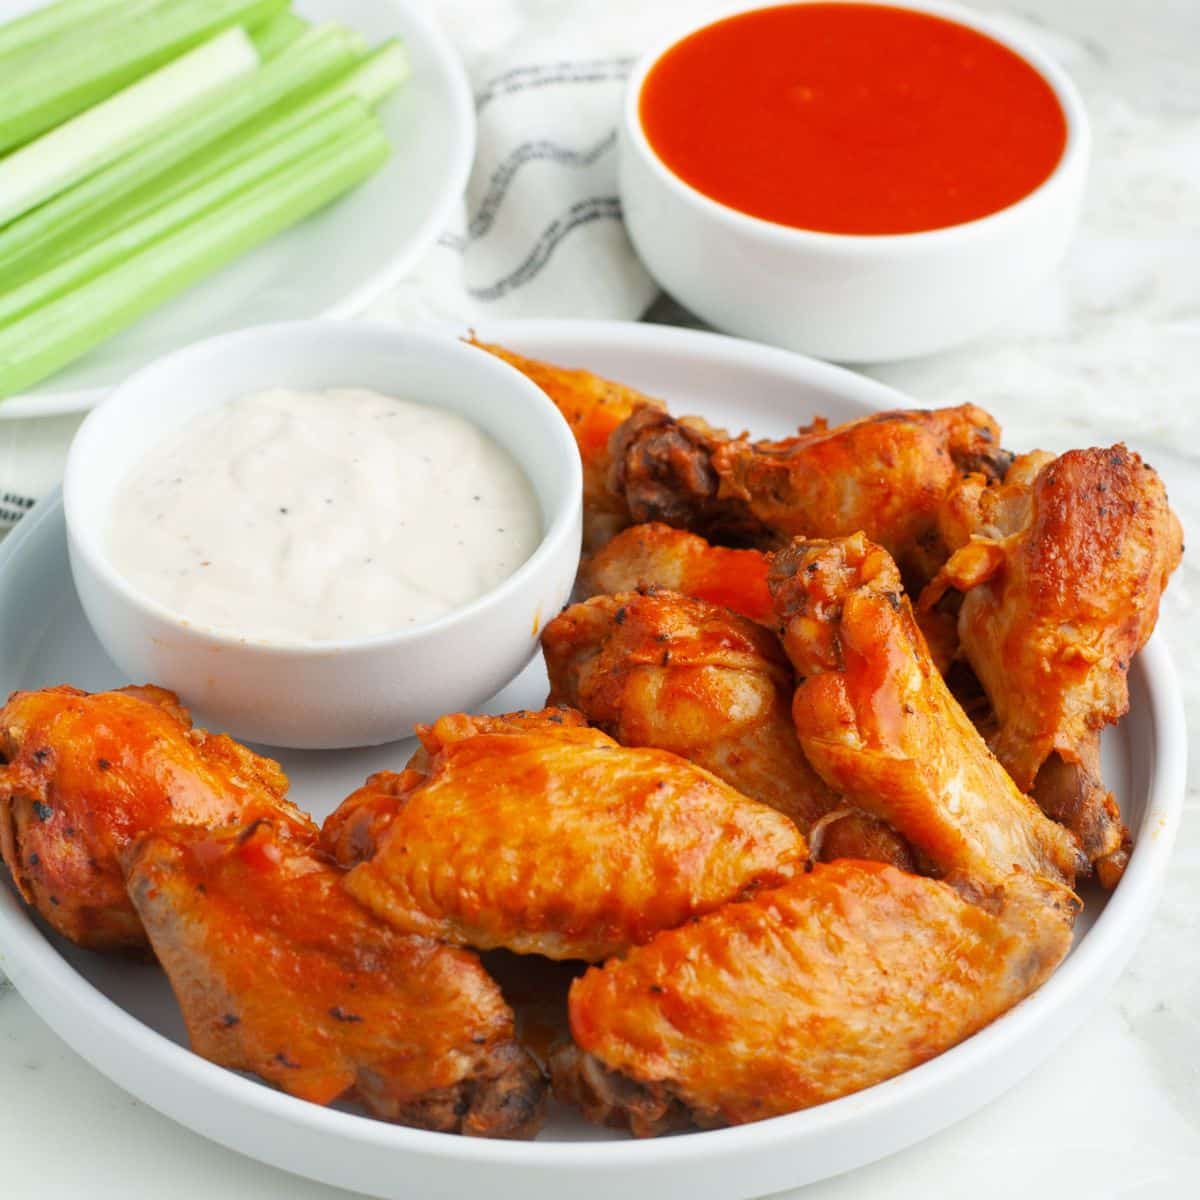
point(659, 556)
point(674, 673)
point(86, 774)
point(1061, 586)
point(593, 407)
point(880, 726)
point(555, 841)
point(888, 475)
point(279, 972)
point(842, 978)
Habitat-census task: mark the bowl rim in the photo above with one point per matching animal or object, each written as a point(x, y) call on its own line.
point(84, 531)
point(1073, 159)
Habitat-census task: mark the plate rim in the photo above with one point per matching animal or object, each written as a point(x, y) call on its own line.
point(1075, 988)
point(450, 66)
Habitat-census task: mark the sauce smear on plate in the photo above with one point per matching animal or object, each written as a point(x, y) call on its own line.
point(852, 118)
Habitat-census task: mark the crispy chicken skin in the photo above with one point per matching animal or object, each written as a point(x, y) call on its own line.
point(557, 841)
point(888, 475)
point(352, 832)
point(844, 977)
point(880, 726)
point(1061, 585)
point(279, 972)
point(659, 556)
point(677, 674)
point(593, 407)
point(86, 774)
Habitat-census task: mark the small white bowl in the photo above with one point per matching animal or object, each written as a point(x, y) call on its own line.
point(846, 297)
point(354, 692)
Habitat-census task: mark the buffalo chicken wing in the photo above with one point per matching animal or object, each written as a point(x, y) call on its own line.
point(553, 840)
point(675, 673)
point(279, 972)
point(889, 475)
point(880, 726)
point(1060, 589)
point(838, 980)
point(87, 774)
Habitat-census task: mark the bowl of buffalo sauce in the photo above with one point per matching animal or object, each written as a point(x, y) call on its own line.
point(856, 181)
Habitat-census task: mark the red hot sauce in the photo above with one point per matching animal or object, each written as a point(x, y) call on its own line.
point(852, 118)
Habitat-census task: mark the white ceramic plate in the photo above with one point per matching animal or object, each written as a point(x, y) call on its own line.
point(338, 260)
point(121, 1018)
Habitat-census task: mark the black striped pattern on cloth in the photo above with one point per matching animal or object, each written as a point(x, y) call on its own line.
point(581, 212)
point(13, 506)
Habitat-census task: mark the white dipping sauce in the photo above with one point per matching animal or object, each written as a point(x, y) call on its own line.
point(306, 517)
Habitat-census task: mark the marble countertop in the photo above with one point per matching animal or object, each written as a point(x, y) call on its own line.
point(1110, 351)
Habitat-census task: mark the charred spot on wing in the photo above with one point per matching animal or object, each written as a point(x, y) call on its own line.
point(251, 829)
point(994, 464)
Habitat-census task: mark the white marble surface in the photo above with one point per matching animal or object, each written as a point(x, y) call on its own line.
point(1110, 351)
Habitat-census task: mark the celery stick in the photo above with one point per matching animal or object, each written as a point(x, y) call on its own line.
point(50, 337)
point(299, 144)
point(384, 70)
point(98, 61)
point(252, 138)
point(61, 224)
point(278, 33)
point(95, 138)
point(44, 23)
point(368, 83)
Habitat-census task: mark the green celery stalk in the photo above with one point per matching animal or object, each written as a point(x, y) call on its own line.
point(300, 143)
point(251, 139)
point(50, 337)
point(92, 208)
point(278, 33)
point(97, 61)
point(92, 140)
point(25, 33)
point(378, 75)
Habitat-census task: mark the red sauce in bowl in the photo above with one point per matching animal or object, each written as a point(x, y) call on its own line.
point(852, 118)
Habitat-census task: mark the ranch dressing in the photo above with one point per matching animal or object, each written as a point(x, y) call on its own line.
point(314, 516)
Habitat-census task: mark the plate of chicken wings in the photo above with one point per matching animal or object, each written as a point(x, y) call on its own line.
point(838, 797)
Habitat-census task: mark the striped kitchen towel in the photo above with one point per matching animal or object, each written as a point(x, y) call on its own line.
point(539, 233)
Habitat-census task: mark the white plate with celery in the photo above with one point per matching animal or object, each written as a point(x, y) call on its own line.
point(172, 169)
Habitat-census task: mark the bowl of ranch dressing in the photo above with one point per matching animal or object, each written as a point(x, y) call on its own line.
point(323, 533)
